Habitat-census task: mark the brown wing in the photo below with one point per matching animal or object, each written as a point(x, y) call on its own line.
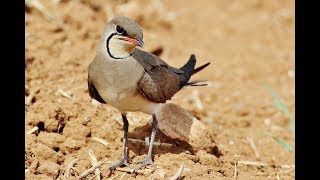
point(159, 84)
point(148, 61)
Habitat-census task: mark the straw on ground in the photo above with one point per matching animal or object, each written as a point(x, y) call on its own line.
point(104, 142)
point(178, 173)
point(94, 161)
point(146, 143)
point(69, 168)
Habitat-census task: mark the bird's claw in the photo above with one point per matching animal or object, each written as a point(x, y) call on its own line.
point(123, 161)
point(145, 162)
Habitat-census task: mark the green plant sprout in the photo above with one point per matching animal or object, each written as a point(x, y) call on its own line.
point(279, 104)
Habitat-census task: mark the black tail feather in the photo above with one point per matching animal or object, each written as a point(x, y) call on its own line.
point(195, 83)
point(189, 67)
point(200, 68)
point(189, 70)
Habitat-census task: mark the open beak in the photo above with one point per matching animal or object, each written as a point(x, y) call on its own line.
point(137, 42)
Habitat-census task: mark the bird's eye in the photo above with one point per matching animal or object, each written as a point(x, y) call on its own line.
point(119, 29)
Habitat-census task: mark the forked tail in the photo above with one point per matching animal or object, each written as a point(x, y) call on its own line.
point(189, 70)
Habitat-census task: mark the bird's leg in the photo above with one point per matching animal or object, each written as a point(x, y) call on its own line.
point(148, 159)
point(123, 160)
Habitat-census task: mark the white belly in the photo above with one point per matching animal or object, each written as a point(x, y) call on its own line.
point(136, 102)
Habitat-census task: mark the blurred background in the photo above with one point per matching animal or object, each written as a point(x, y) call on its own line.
point(248, 104)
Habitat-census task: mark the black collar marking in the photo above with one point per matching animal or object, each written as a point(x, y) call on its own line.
point(108, 49)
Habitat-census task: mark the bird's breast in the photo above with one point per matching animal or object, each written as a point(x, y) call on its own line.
point(118, 83)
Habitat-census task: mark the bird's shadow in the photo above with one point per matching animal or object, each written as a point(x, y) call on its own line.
point(139, 148)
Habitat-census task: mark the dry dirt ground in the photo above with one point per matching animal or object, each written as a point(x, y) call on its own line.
point(249, 43)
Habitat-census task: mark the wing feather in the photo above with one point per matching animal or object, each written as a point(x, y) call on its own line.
point(159, 84)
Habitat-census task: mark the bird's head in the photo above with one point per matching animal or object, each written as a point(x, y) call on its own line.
point(120, 37)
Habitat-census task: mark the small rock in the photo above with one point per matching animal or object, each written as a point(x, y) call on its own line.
point(207, 159)
point(43, 152)
point(56, 118)
point(49, 168)
point(85, 121)
point(187, 131)
point(61, 158)
point(51, 125)
point(52, 140)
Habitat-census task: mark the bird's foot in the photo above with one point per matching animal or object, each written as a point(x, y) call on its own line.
point(123, 161)
point(145, 162)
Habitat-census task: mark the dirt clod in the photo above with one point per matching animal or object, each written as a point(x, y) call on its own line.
point(52, 140)
point(49, 168)
point(43, 152)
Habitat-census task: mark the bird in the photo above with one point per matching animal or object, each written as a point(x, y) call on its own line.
point(130, 79)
